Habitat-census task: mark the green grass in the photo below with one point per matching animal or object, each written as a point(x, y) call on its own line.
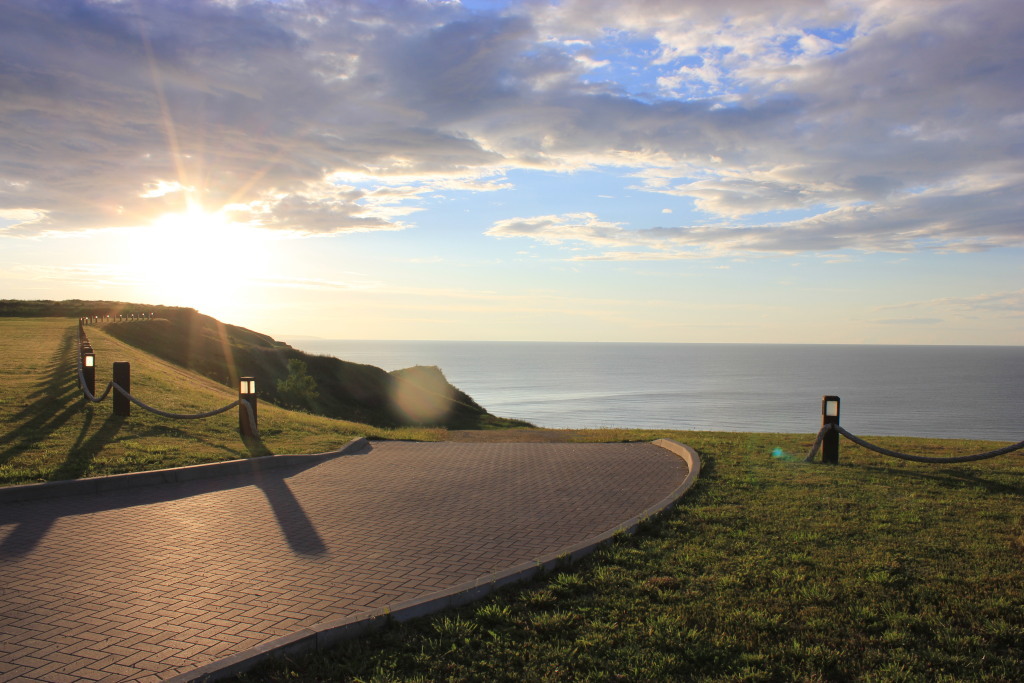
point(49, 432)
point(769, 570)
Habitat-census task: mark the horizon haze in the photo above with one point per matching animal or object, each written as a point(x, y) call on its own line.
point(801, 171)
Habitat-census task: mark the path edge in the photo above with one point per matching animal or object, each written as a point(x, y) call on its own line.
point(118, 482)
point(329, 633)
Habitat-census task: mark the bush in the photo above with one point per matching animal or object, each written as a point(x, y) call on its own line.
point(298, 389)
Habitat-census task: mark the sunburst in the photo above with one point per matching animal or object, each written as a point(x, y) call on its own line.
point(198, 259)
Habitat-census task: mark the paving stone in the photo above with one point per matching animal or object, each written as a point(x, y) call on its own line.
point(148, 582)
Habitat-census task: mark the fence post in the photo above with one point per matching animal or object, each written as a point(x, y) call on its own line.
point(830, 416)
point(89, 371)
point(247, 392)
point(123, 378)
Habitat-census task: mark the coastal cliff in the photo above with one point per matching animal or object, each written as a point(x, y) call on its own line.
point(223, 352)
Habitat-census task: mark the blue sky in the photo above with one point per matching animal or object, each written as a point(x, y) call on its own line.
point(665, 171)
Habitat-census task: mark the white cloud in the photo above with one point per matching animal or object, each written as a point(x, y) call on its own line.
point(1008, 303)
point(893, 125)
point(942, 219)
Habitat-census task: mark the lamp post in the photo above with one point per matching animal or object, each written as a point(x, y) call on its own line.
point(89, 372)
point(247, 392)
point(830, 416)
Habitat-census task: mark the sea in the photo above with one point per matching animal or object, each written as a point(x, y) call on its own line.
point(968, 392)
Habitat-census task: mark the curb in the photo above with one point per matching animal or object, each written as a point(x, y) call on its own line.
point(329, 633)
point(119, 482)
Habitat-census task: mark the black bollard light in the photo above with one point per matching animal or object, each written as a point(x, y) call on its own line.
point(89, 371)
point(247, 392)
point(123, 378)
point(830, 416)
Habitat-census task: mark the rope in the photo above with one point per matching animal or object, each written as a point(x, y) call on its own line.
point(925, 458)
point(85, 390)
point(817, 442)
point(905, 456)
point(163, 413)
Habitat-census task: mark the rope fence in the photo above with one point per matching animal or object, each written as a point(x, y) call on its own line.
point(906, 456)
point(250, 412)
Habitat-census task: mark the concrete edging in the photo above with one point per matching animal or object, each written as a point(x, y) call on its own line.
point(118, 482)
point(326, 634)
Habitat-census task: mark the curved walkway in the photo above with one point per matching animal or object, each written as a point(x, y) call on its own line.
point(146, 583)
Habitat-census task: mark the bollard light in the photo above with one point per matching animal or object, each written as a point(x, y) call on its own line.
point(89, 371)
point(830, 416)
point(247, 393)
point(831, 406)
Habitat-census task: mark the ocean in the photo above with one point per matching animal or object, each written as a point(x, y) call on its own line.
point(970, 392)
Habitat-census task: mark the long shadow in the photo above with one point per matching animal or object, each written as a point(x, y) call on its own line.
point(33, 520)
point(55, 401)
point(298, 530)
point(956, 478)
point(84, 450)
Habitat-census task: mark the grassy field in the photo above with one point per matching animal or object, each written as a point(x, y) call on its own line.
point(49, 432)
point(769, 570)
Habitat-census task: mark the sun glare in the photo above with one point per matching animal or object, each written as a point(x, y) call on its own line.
point(197, 259)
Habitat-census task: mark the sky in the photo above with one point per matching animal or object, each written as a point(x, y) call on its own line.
point(794, 171)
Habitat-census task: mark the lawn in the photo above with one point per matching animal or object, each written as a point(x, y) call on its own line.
point(770, 569)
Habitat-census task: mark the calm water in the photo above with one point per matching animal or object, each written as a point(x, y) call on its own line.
point(940, 391)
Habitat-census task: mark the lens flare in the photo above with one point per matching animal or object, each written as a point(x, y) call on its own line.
point(422, 395)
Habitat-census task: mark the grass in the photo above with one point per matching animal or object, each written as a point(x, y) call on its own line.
point(49, 432)
point(769, 570)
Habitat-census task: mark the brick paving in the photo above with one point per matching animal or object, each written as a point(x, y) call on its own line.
point(145, 583)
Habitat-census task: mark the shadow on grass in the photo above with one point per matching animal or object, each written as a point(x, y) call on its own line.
point(81, 454)
point(55, 400)
point(952, 478)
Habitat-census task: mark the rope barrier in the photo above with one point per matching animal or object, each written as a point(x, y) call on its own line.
point(163, 413)
point(906, 456)
point(817, 442)
point(925, 458)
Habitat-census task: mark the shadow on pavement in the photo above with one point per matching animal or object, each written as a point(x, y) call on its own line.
point(33, 519)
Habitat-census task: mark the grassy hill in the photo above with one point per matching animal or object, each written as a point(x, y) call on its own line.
point(222, 352)
point(48, 432)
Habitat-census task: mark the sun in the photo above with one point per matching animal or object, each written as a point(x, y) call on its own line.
point(197, 259)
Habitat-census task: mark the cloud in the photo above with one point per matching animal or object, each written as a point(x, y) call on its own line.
point(891, 126)
point(115, 113)
point(1008, 303)
point(907, 321)
point(319, 284)
point(978, 214)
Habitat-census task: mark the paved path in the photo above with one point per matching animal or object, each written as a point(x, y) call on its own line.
point(145, 583)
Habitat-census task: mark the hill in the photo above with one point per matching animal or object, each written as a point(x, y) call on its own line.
point(349, 391)
point(49, 432)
